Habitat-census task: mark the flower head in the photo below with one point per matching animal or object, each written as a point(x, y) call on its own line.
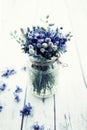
point(44, 45)
point(27, 110)
point(36, 126)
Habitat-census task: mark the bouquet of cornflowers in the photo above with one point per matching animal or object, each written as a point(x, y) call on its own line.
point(44, 45)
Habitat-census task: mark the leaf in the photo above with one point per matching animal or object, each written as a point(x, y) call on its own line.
point(51, 24)
point(46, 21)
point(22, 30)
point(15, 32)
point(47, 16)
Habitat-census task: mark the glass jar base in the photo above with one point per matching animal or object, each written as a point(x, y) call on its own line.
point(43, 95)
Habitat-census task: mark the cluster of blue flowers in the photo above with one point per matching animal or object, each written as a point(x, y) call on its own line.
point(43, 42)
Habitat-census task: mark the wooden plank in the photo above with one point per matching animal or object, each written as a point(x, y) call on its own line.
point(54, 101)
point(78, 20)
point(71, 95)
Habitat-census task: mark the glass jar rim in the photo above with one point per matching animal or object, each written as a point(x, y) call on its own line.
point(43, 63)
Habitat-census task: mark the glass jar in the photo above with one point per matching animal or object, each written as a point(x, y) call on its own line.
point(43, 76)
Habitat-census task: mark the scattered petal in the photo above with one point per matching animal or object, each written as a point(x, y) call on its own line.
point(36, 126)
point(8, 73)
point(17, 99)
point(18, 90)
point(2, 87)
point(24, 68)
point(1, 107)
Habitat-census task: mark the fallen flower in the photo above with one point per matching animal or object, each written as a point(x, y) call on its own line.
point(36, 126)
point(1, 107)
point(27, 110)
point(2, 87)
point(18, 90)
point(8, 73)
point(17, 99)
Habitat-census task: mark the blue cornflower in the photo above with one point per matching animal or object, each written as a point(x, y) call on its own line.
point(2, 87)
point(62, 48)
point(27, 110)
point(1, 107)
point(17, 99)
point(63, 40)
point(18, 90)
point(8, 73)
point(36, 126)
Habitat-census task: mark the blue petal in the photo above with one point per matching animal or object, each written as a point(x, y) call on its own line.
point(1, 107)
point(2, 87)
point(17, 99)
point(18, 90)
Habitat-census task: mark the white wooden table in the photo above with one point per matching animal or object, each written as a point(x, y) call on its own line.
point(67, 109)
